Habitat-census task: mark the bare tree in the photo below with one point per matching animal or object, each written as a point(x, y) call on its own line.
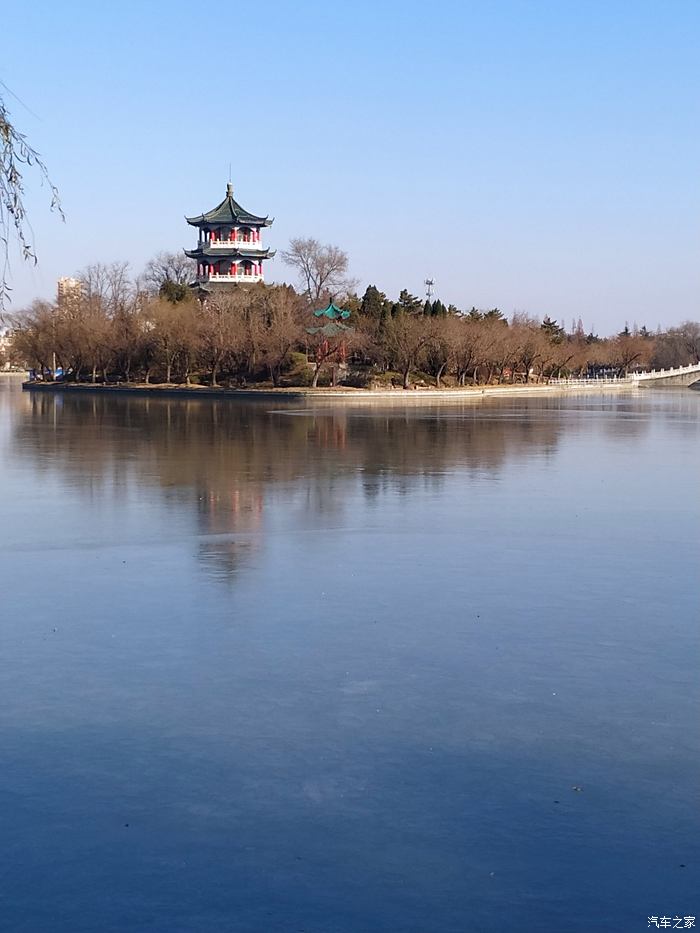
point(173, 328)
point(278, 327)
point(110, 283)
point(321, 269)
point(406, 338)
point(678, 346)
point(528, 342)
point(626, 350)
point(96, 329)
point(168, 274)
point(224, 331)
point(16, 155)
point(33, 335)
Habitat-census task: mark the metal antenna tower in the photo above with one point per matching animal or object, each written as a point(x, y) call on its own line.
point(429, 286)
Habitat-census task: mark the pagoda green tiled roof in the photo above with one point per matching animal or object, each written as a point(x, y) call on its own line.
point(229, 212)
point(207, 252)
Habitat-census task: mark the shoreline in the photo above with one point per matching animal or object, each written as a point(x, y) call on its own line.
point(337, 394)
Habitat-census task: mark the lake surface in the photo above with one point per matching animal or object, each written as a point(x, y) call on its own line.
point(269, 668)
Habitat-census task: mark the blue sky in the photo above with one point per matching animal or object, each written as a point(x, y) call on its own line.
point(535, 156)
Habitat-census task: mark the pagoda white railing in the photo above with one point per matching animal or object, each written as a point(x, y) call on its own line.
point(230, 278)
point(247, 244)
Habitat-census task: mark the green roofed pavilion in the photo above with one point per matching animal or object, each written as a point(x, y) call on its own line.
point(333, 313)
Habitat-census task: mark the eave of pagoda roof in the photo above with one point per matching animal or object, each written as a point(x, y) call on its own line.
point(206, 252)
point(229, 212)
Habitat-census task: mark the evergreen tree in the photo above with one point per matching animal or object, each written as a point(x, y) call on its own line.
point(174, 291)
point(427, 308)
point(373, 302)
point(552, 330)
point(408, 302)
point(352, 303)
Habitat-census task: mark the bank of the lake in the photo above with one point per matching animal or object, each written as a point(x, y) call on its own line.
point(340, 393)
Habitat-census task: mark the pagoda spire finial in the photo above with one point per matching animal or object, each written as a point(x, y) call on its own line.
point(229, 190)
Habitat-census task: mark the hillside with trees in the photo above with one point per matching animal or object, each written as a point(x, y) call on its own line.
point(152, 329)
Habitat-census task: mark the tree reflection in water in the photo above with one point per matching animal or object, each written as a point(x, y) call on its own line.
point(230, 460)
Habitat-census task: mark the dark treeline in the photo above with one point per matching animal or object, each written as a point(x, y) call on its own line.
point(110, 328)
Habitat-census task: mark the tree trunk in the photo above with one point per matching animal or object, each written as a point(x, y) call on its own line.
point(438, 377)
point(94, 375)
point(407, 378)
point(168, 371)
point(317, 373)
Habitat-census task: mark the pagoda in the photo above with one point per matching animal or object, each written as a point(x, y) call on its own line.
point(230, 249)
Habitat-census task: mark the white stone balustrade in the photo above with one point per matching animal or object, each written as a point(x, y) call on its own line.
point(216, 277)
point(227, 244)
point(634, 378)
point(667, 373)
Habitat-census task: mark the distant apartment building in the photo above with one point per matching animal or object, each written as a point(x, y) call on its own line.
point(67, 290)
point(5, 348)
